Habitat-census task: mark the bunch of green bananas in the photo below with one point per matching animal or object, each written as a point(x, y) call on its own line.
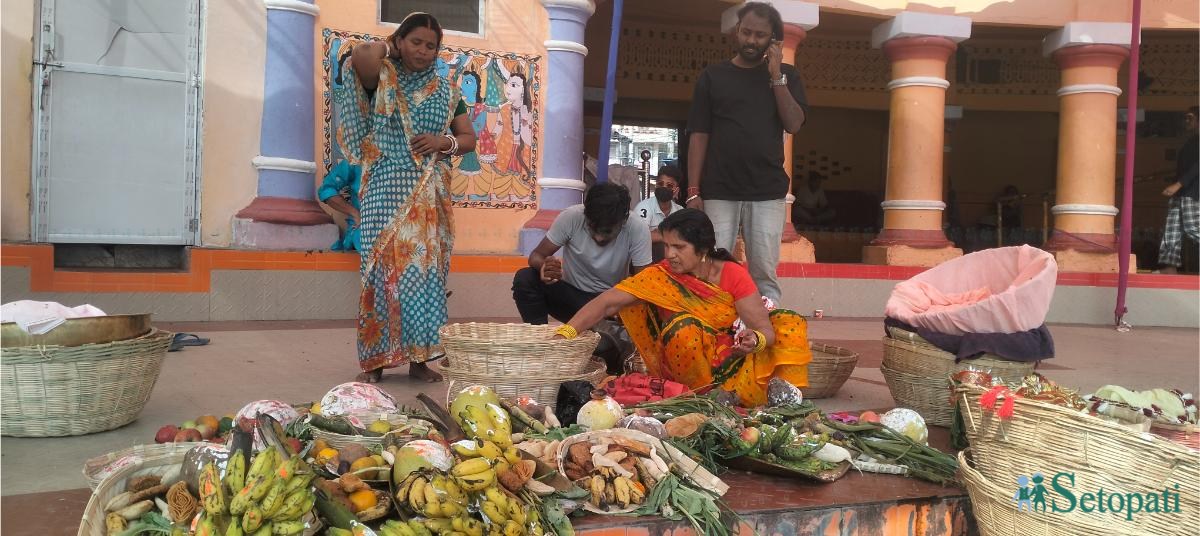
point(432, 494)
point(401, 528)
point(500, 458)
point(486, 421)
point(272, 495)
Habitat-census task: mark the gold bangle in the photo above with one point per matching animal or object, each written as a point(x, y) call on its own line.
point(566, 331)
point(762, 341)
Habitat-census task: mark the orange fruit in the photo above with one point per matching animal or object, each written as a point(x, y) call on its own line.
point(363, 499)
point(363, 463)
point(319, 445)
point(325, 455)
point(212, 422)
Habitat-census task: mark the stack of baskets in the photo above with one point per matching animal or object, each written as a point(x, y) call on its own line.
point(49, 391)
point(918, 374)
point(518, 359)
point(1099, 454)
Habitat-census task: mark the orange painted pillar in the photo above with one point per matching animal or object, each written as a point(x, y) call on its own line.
point(918, 46)
point(1085, 211)
point(793, 35)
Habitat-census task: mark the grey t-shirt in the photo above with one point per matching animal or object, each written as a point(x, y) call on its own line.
point(590, 267)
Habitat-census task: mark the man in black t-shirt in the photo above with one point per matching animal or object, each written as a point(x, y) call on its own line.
point(740, 110)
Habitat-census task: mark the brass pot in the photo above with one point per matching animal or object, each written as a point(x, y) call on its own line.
point(79, 331)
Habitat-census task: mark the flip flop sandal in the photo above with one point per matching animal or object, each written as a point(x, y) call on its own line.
point(186, 339)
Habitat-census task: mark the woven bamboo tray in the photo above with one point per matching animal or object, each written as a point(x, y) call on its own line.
point(996, 512)
point(544, 390)
point(163, 463)
point(97, 469)
point(831, 366)
point(931, 397)
point(516, 350)
point(1042, 437)
point(414, 429)
point(912, 354)
point(54, 391)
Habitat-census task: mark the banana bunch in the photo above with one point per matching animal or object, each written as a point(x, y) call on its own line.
point(500, 458)
point(272, 495)
point(400, 528)
point(608, 488)
point(507, 516)
point(433, 495)
point(486, 421)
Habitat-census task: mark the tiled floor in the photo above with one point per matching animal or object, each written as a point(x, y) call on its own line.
point(300, 361)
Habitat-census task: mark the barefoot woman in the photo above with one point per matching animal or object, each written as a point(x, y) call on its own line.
point(401, 123)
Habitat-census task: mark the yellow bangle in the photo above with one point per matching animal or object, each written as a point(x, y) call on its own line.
point(762, 341)
point(566, 331)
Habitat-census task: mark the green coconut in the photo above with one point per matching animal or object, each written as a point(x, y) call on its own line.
point(420, 455)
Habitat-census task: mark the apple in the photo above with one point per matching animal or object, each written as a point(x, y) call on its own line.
point(869, 416)
point(294, 445)
point(166, 434)
point(188, 435)
point(750, 435)
point(206, 431)
point(187, 424)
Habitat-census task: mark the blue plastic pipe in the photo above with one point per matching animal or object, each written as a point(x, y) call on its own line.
point(610, 90)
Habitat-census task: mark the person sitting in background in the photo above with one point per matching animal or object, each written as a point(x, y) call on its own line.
point(654, 209)
point(683, 316)
point(345, 181)
point(811, 207)
point(600, 239)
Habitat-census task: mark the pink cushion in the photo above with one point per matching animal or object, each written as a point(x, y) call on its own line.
point(1002, 290)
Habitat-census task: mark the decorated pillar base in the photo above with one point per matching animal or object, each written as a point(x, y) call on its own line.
point(283, 223)
point(799, 250)
point(902, 255)
point(535, 229)
point(1070, 260)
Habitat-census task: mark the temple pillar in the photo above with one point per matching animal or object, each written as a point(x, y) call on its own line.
point(285, 213)
point(561, 182)
point(918, 46)
point(1090, 56)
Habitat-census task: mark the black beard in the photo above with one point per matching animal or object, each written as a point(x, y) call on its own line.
point(751, 54)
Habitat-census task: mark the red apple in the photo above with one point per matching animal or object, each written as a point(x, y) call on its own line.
point(188, 435)
point(207, 432)
point(166, 434)
point(294, 445)
point(750, 435)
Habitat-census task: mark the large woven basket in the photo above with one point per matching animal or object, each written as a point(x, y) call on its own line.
point(542, 389)
point(516, 350)
point(1187, 435)
point(64, 391)
point(996, 512)
point(918, 374)
point(831, 366)
point(1050, 439)
point(95, 470)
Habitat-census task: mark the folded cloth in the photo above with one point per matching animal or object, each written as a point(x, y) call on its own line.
point(1033, 345)
point(921, 297)
point(37, 318)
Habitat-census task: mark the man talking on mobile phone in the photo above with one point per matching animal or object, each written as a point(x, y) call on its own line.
point(739, 112)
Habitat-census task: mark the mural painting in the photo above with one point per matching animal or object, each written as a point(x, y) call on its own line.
point(501, 91)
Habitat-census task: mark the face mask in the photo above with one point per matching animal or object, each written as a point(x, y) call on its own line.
point(663, 194)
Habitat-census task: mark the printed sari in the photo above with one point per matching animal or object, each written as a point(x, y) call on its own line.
point(683, 329)
point(406, 227)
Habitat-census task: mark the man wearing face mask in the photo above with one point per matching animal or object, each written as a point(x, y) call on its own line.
point(740, 110)
point(600, 240)
point(661, 205)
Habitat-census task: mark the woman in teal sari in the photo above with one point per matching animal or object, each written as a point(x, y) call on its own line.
point(400, 123)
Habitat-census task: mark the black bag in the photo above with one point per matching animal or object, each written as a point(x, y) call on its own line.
point(571, 397)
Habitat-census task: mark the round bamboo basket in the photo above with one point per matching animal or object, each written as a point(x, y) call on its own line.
point(929, 396)
point(163, 463)
point(996, 512)
point(411, 428)
point(914, 355)
point(95, 470)
point(831, 366)
point(1101, 454)
point(543, 388)
point(50, 391)
point(526, 350)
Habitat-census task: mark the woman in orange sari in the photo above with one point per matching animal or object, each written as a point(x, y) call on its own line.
point(681, 315)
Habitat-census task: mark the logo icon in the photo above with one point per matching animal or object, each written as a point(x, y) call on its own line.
point(1030, 498)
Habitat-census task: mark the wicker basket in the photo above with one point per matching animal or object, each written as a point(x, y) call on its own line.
point(97, 469)
point(930, 397)
point(996, 512)
point(542, 389)
point(419, 429)
point(1042, 437)
point(516, 350)
point(64, 391)
point(831, 366)
point(163, 463)
point(1187, 435)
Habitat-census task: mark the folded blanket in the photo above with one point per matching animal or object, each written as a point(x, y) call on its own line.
point(1032, 345)
point(921, 297)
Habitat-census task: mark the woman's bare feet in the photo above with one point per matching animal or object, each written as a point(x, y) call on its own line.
point(371, 376)
point(421, 371)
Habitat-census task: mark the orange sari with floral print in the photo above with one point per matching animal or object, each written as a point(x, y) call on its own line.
point(683, 329)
